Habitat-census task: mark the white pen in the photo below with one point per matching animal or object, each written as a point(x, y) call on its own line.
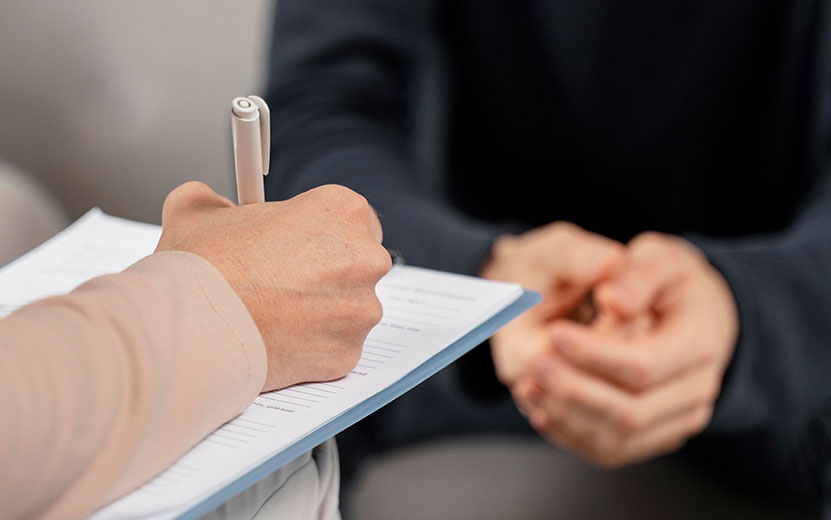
point(251, 131)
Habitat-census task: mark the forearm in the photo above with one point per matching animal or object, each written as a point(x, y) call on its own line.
point(105, 387)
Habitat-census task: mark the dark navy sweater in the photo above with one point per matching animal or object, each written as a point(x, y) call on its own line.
point(460, 120)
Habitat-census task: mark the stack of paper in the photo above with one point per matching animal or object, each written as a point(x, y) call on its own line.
point(430, 319)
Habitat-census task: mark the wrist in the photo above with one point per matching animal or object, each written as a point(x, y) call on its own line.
point(728, 309)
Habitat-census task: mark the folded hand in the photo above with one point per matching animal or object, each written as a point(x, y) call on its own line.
point(643, 378)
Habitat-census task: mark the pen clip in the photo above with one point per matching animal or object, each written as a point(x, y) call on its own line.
point(265, 130)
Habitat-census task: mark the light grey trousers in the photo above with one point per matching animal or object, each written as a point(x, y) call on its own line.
point(304, 489)
point(524, 478)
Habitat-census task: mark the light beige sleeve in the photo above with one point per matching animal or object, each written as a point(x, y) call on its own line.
point(102, 388)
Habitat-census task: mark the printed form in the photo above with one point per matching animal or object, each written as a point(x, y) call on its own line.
point(424, 312)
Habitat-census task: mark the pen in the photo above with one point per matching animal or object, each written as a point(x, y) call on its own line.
point(251, 133)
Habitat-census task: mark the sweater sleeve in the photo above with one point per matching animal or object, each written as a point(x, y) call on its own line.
point(772, 421)
point(343, 89)
point(103, 388)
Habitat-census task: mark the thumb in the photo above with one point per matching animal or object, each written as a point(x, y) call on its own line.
point(586, 260)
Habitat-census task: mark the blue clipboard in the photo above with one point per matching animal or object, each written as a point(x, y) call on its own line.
point(359, 411)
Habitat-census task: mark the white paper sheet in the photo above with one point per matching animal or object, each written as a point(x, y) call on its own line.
point(424, 312)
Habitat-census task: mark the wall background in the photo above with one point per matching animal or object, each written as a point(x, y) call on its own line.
point(113, 104)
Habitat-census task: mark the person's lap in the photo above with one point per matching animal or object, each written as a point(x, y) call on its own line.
point(305, 488)
point(435, 453)
point(522, 477)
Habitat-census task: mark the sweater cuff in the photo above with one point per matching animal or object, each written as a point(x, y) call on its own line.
point(738, 404)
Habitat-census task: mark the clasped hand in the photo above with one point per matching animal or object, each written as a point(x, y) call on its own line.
point(641, 376)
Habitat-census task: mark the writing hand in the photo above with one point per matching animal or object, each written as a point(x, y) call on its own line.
point(306, 269)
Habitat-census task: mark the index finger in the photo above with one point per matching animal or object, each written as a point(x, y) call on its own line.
point(656, 261)
point(583, 258)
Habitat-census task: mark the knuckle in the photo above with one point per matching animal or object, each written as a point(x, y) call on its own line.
point(696, 256)
point(701, 418)
point(706, 353)
point(371, 262)
point(363, 312)
point(184, 193)
point(561, 229)
point(648, 241)
point(649, 237)
point(333, 370)
point(712, 392)
point(379, 261)
point(192, 195)
point(330, 190)
point(192, 188)
point(555, 414)
point(563, 394)
point(641, 372)
point(617, 251)
point(339, 362)
point(506, 245)
point(629, 422)
point(171, 200)
point(541, 422)
point(347, 358)
point(635, 277)
point(374, 224)
point(353, 355)
point(560, 391)
point(505, 376)
point(375, 311)
point(342, 197)
point(684, 250)
point(684, 256)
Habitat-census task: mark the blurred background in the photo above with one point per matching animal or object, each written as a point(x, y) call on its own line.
point(113, 104)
